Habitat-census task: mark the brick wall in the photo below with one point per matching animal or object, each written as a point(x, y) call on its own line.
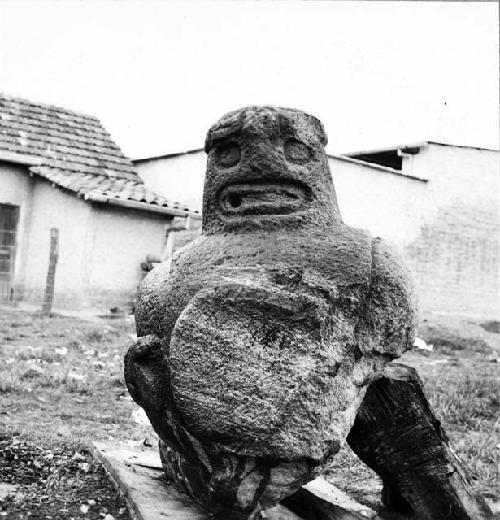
point(456, 259)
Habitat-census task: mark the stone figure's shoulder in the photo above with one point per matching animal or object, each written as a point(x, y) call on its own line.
point(156, 290)
point(194, 251)
point(390, 311)
point(349, 237)
point(149, 298)
point(159, 276)
point(389, 268)
point(349, 253)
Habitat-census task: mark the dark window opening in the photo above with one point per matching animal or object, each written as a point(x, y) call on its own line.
point(390, 159)
point(9, 216)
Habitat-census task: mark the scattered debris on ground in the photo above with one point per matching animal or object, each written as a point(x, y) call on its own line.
point(55, 482)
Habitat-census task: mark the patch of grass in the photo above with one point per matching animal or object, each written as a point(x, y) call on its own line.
point(61, 382)
point(448, 341)
point(470, 402)
point(491, 326)
point(94, 336)
point(464, 393)
point(482, 460)
point(466, 399)
point(461, 380)
point(67, 375)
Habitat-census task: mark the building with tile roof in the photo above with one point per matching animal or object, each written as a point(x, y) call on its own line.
point(439, 203)
point(61, 169)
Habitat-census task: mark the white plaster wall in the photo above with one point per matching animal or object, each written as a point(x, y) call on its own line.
point(100, 246)
point(14, 184)
point(458, 173)
point(386, 204)
point(16, 187)
point(456, 255)
point(119, 241)
point(100, 249)
point(55, 207)
point(178, 178)
point(447, 228)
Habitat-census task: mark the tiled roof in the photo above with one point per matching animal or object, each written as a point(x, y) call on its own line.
point(75, 152)
point(102, 188)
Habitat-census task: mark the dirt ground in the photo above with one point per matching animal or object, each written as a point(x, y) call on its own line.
point(61, 387)
point(55, 481)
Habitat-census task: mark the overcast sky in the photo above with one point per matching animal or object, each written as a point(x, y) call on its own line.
point(158, 73)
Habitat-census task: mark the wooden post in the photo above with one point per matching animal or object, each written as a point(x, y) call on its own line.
point(397, 435)
point(51, 273)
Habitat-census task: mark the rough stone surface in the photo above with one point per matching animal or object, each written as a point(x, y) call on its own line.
point(6, 490)
point(258, 340)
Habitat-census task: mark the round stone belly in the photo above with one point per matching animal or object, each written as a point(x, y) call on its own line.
point(262, 373)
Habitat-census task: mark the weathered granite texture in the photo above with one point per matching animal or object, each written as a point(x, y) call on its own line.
point(258, 340)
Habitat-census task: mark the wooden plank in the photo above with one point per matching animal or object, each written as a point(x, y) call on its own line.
point(148, 494)
point(325, 491)
point(139, 475)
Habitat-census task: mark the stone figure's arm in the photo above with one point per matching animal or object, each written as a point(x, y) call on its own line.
point(146, 374)
point(142, 360)
point(389, 314)
point(148, 380)
point(145, 377)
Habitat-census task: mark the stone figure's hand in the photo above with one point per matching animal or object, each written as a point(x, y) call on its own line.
point(145, 375)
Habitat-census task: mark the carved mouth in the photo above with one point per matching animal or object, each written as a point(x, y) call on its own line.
point(263, 198)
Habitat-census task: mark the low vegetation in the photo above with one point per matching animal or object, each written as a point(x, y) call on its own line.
point(461, 376)
point(62, 387)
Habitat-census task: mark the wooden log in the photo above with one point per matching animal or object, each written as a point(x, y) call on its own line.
point(397, 435)
point(311, 507)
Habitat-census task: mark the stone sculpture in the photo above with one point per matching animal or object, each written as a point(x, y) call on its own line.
point(258, 341)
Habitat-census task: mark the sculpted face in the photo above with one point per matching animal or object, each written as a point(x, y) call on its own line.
point(266, 168)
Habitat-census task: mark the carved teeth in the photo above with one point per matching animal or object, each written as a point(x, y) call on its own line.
point(263, 198)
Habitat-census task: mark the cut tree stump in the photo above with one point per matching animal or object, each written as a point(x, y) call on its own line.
point(397, 435)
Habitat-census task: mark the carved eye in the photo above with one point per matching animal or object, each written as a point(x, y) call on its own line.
point(228, 155)
point(297, 152)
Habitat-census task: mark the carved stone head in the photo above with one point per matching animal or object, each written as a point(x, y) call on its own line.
point(267, 167)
